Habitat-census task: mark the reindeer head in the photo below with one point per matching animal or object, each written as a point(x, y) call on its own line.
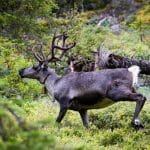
point(41, 71)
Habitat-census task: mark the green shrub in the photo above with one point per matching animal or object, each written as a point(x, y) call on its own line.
point(15, 133)
point(11, 85)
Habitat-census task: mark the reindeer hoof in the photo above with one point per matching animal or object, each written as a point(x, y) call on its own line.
point(137, 126)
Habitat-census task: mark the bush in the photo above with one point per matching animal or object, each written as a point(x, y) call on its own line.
point(11, 61)
point(15, 133)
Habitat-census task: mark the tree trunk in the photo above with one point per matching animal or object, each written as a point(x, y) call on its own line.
point(108, 60)
point(82, 5)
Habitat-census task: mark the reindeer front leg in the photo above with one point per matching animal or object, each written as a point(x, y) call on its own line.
point(65, 103)
point(61, 114)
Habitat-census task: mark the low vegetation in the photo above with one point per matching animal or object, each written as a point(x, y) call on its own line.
point(109, 128)
point(27, 115)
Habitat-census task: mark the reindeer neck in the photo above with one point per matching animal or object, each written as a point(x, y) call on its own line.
point(50, 81)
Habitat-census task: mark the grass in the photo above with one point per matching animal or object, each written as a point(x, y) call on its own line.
point(109, 128)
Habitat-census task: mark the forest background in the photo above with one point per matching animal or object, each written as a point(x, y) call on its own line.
point(27, 115)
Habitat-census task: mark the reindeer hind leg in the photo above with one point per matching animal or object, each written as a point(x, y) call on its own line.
point(139, 105)
point(84, 117)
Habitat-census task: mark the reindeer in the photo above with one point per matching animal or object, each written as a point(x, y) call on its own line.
point(81, 91)
point(78, 64)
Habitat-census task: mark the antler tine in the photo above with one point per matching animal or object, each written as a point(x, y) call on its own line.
point(64, 37)
point(42, 53)
point(53, 43)
point(38, 58)
point(64, 48)
point(53, 58)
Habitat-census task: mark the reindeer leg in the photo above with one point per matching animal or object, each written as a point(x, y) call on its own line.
point(130, 96)
point(63, 109)
point(140, 100)
point(84, 117)
point(62, 113)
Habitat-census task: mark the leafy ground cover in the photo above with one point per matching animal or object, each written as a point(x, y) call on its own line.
point(27, 118)
point(109, 128)
point(22, 100)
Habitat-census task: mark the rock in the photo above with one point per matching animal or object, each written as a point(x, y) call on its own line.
point(108, 20)
point(116, 28)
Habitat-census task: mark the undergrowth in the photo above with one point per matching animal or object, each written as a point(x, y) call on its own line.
point(110, 128)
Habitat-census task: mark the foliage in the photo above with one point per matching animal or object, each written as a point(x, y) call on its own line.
point(20, 17)
point(88, 38)
point(81, 6)
point(11, 61)
point(142, 18)
point(128, 44)
point(15, 133)
point(141, 23)
point(29, 124)
point(109, 129)
point(143, 15)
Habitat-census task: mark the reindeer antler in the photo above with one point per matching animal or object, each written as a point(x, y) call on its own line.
point(64, 47)
point(40, 58)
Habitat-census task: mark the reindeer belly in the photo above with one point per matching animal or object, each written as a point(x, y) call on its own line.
point(91, 101)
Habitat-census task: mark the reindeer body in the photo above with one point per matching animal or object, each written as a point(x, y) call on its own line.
point(89, 90)
point(80, 90)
